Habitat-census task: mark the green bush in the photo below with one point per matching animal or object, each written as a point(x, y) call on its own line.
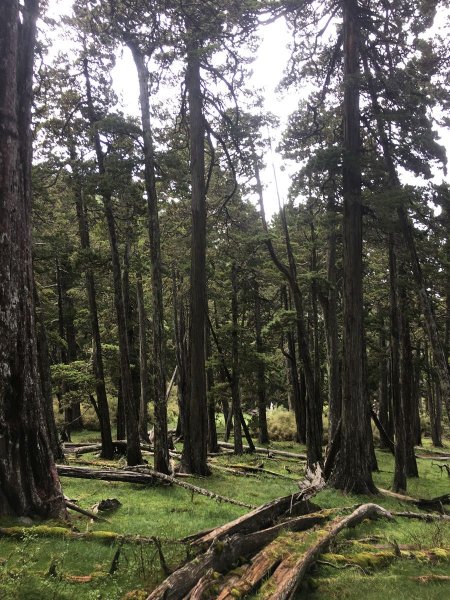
point(281, 424)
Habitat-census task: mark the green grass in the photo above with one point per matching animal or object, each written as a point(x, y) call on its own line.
point(170, 513)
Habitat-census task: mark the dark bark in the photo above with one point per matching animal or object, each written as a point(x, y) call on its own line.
point(46, 381)
point(330, 307)
point(407, 376)
point(298, 387)
point(182, 355)
point(353, 469)
point(134, 455)
point(212, 430)
point(397, 405)
point(97, 355)
point(263, 434)
point(235, 369)
point(159, 335)
point(29, 483)
point(143, 361)
point(196, 433)
point(384, 405)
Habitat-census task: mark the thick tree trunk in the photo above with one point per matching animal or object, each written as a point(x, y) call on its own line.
point(159, 336)
point(353, 469)
point(196, 434)
point(29, 483)
point(134, 455)
point(97, 355)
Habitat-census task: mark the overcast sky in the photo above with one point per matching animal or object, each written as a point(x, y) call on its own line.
point(267, 70)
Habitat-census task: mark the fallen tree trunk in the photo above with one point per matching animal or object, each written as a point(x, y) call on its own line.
point(288, 575)
point(47, 531)
point(142, 475)
point(267, 451)
point(260, 518)
point(436, 504)
point(222, 556)
point(255, 470)
point(420, 516)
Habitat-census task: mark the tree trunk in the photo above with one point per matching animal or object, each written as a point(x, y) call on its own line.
point(235, 372)
point(134, 455)
point(407, 376)
point(313, 401)
point(196, 434)
point(143, 361)
point(29, 483)
point(353, 469)
point(383, 391)
point(263, 436)
point(97, 354)
point(400, 483)
point(159, 336)
point(212, 431)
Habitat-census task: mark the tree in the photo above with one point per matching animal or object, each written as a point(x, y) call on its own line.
point(29, 484)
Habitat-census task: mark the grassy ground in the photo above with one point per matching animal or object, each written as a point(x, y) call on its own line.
point(41, 568)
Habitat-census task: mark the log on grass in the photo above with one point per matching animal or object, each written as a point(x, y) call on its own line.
point(222, 556)
point(49, 531)
point(436, 504)
point(106, 475)
point(187, 486)
point(267, 451)
point(290, 573)
point(262, 517)
point(256, 470)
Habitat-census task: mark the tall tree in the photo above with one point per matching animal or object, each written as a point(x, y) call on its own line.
point(352, 471)
point(29, 484)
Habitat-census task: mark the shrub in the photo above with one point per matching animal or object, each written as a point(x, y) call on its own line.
point(281, 424)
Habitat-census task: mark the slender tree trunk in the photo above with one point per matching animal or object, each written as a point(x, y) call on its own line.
point(212, 430)
point(400, 483)
point(353, 469)
point(383, 390)
point(97, 355)
point(29, 483)
point(46, 380)
point(134, 456)
point(159, 336)
point(407, 377)
point(235, 369)
point(196, 434)
point(143, 361)
point(313, 402)
point(182, 354)
point(263, 436)
point(407, 230)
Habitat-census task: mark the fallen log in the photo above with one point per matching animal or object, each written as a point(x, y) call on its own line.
point(436, 504)
point(222, 556)
point(427, 517)
point(141, 475)
point(289, 574)
point(82, 511)
point(251, 469)
point(266, 451)
point(260, 518)
point(187, 486)
point(46, 531)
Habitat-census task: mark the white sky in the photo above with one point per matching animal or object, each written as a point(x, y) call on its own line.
point(267, 68)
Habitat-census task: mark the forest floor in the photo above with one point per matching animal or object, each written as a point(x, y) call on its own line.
point(43, 563)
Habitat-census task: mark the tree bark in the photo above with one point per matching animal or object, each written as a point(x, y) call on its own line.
point(235, 374)
point(143, 361)
point(353, 469)
point(29, 483)
point(196, 434)
point(263, 434)
point(400, 483)
point(159, 335)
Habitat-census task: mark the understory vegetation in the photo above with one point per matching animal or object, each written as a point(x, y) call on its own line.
point(128, 554)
